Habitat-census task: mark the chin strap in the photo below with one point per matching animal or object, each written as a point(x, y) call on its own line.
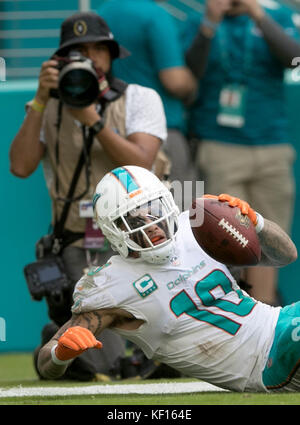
point(160, 255)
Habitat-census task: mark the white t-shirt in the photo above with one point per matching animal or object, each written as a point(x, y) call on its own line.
point(196, 318)
point(145, 112)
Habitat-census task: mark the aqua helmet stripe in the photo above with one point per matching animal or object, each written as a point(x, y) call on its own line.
point(126, 179)
point(95, 199)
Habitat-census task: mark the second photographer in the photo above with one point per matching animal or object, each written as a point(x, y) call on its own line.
point(81, 123)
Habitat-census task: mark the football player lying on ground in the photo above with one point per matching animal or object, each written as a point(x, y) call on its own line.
point(182, 307)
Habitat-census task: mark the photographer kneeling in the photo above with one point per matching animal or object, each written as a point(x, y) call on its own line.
point(82, 123)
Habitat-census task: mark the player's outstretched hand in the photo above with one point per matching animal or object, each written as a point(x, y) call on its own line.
point(236, 202)
point(74, 342)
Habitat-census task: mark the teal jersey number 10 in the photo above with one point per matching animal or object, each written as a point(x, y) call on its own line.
point(205, 289)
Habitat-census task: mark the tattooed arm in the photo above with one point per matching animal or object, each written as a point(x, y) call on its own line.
point(277, 248)
point(95, 322)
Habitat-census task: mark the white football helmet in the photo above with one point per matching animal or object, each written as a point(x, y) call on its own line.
point(136, 212)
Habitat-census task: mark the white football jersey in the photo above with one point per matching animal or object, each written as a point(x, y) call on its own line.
point(196, 318)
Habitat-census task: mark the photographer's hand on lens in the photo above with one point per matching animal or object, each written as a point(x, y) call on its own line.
point(48, 79)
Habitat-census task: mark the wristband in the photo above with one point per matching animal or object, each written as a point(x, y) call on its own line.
point(36, 106)
point(260, 223)
point(56, 360)
point(98, 126)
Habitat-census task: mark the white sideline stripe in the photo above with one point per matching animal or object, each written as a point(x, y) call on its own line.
point(163, 388)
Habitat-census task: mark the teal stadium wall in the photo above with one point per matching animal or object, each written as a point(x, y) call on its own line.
point(25, 216)
point(29, 34)
point(289, 277)
point(25, 204)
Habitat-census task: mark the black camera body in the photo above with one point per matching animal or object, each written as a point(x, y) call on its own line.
point(46, 277)
point(79, 83)
point(47, 246)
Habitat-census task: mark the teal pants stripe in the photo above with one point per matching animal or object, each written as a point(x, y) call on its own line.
point(284, 357)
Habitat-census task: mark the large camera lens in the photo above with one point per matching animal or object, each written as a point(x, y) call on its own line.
point(78, 84)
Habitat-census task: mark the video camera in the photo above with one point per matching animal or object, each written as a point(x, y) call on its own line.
point(80, 84)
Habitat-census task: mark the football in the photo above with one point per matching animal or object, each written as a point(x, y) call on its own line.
point(224, 233)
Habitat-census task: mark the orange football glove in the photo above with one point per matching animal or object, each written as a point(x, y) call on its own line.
point(236, 202)
point(74, 342)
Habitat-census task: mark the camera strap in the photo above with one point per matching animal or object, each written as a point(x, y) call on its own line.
point(84, 159)
point(117, 88)
point(85, 153)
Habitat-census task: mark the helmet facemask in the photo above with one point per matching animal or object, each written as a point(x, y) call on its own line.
point(137, 214)
point(147, 227)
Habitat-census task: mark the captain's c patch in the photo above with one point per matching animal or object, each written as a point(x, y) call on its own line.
point(145, 285)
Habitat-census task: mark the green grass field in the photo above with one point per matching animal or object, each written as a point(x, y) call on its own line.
point(16, 371)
